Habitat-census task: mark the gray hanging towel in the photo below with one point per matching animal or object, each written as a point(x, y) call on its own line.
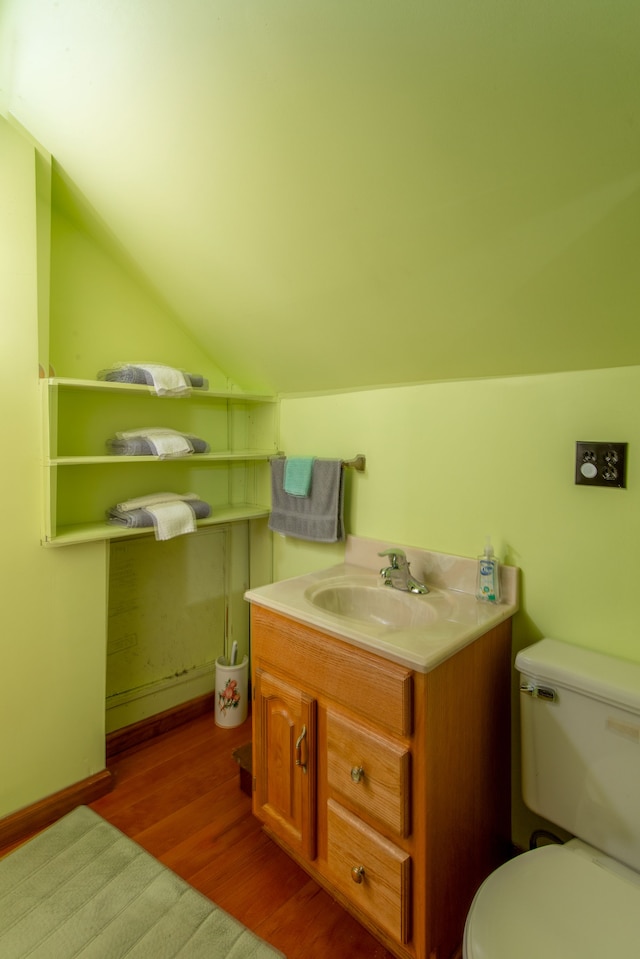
point(318, 516)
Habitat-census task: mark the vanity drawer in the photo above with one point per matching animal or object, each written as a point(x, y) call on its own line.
point(372, 773)
point(373, 873)
point(378, 690)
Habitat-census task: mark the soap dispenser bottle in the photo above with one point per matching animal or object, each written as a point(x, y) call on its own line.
point(488, 588)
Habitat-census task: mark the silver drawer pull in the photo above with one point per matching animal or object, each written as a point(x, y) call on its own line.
point(357, 774)
point(357, 874)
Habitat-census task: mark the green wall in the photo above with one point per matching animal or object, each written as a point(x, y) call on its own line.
point(103, 310)
point(68, 298)
point(449, 464)
point(460, 177)
point(53, 604)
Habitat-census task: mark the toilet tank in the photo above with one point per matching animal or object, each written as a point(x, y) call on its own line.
point(580, 734)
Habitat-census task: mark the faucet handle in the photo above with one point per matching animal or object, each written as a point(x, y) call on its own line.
point(395, 554)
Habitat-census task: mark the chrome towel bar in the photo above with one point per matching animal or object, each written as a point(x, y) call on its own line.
point(358, 462)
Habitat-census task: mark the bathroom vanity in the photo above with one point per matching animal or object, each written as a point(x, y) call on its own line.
point(381, 754)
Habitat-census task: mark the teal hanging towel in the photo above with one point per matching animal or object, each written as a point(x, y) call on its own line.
point(298, 471)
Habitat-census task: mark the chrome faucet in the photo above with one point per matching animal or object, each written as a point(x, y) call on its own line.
point(397, 573)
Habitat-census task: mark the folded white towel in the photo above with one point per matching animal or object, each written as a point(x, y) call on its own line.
point(153, 499)
point(172, 519)
point(167, 381)
point(165, 442)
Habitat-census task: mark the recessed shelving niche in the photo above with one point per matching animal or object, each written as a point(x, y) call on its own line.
point(82, 481)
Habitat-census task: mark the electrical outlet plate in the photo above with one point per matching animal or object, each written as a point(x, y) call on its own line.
point(601, 464)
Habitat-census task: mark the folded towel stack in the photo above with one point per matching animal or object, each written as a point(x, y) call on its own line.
point(171, 514)
point(317, 516)
point(166, 380)
point(156, 441)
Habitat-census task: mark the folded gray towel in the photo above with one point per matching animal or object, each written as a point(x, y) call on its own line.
point(140, 446)
point(140, 518)
point(318, 516)
point(134, 374)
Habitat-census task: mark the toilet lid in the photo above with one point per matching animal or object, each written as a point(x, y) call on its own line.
point(555, 903)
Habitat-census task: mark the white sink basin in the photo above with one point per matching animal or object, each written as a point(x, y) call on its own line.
point(350, 602)
point(374, 604)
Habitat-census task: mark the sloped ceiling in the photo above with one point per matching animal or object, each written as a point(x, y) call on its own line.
point(333, 194)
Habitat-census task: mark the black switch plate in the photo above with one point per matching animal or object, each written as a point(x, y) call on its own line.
point(601, 464)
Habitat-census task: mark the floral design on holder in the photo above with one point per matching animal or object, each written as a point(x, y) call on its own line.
point(229, 697)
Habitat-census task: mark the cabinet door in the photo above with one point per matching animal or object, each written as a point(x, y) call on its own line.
point(285, 762)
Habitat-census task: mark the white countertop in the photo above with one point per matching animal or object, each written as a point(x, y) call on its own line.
point(456, 617)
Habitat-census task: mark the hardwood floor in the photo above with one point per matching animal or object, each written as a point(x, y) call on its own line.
point(179, 797)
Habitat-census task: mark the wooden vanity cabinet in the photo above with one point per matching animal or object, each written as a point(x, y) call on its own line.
point(389, 786)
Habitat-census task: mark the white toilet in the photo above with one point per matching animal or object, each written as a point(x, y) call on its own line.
point(581, 770)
